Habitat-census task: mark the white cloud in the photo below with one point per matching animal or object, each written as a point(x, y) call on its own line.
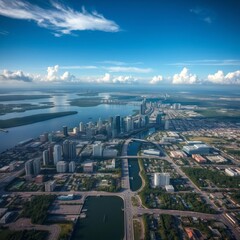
point(184, 77)
point(128, 69)
point(52, 75)
point(59, 18)
point(108, 78)
point(220, 78)
point(16, 76)
point(156, 79)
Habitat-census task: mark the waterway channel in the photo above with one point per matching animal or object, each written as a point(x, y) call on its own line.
point(133, 148)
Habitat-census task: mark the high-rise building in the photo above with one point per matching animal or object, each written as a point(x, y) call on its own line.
point(117, 124)
point(99, 124)
point(46, 156)
point(65, 131)
point(36, 166)
point(81, 127)
point(161, 179)
point(65, 148)
point(97, 150)
point(129, 123)
point(62, 167)
point(72, 166)
point(50, 137)
point(29, 168)
point(57, 154)
point(143, 107)
point(146, 120)
point(72, 150)
point(75, 130)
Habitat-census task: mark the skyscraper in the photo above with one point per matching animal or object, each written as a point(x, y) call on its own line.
point(117, 124)
point(46, 157)
point(65, 131)
point(57, 154)
point(36, 166)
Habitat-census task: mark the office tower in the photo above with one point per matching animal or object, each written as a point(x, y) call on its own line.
point(46, 136)
point(97, 150)
point(89, 132)
point(36, 166)
point(72, 150)
point(72, 166)
point(117, 124)
point(65, 149)
point(176, 106)
point(109, 130)
point(57, 154)
point(62, 167)
point(46, 157)
point(81, 127)
point(161, 179)
point(65, 131)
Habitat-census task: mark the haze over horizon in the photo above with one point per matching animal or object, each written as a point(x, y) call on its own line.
point(106, 42)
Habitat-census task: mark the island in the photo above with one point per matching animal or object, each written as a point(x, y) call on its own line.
point(15, 122)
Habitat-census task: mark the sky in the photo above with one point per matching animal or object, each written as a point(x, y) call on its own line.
point(119, 42)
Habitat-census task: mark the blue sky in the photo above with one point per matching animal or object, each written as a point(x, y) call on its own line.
point(167, 41)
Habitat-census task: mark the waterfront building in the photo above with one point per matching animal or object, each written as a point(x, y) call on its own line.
point(99, 124)
point(129, 124)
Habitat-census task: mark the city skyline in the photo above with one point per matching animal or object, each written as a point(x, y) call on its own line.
point(156, 42)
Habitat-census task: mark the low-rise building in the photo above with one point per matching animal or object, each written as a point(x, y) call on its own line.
point(88, 167)
point(198, 158)
point(50, 186)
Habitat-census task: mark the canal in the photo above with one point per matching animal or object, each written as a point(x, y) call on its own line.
point(134, 169)
point(104, 219)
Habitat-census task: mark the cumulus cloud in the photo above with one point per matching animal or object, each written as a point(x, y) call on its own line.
point(220, 78)
point(52, 75)
point(16, 76)
point(184, 77)
point(108, 78)
point(156, 79)
point(59, 18)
